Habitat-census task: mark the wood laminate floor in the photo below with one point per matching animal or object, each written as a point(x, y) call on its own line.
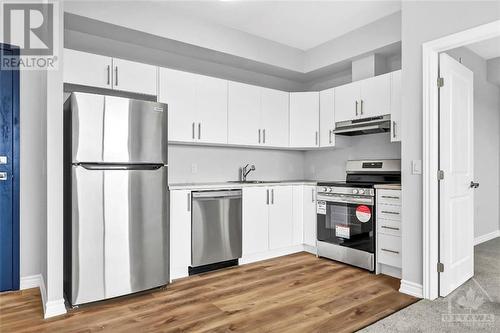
point(294, 293)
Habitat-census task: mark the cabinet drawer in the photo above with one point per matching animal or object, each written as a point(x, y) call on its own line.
point(389, 250)
point(389, 227)
point(389, 212)
point(389, 197)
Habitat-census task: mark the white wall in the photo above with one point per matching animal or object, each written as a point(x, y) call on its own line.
point(421, 22)
point(223, 163)
point(33, 182)
point(486, 143)
point(329, 164)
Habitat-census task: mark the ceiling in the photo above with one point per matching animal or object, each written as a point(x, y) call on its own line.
point(299, 24)
point(487, 49)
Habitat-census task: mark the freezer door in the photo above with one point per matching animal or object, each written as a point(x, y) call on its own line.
point(117, 130)
point(119, 232)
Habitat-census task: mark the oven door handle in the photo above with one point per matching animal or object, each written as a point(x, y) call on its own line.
point(366, 201)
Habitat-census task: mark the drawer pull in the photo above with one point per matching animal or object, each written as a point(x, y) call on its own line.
point(386, 227)
point(391, 251)
point(390, 197)
point(387, 212)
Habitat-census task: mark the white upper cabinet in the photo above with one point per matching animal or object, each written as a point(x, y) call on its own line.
point(396, 106)
point(87, 69)
point(134, 77)
point(375, 97)
point(257, 116)
point(363, 99)
point(347, 99)
point(274, 117)
point(280, 217)
point(304, 119)
point(327, 118)
point(244, 114)
point(197, 106)
point(105, 72)
point(211, 109)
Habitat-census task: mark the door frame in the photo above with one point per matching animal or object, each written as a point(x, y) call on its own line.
point(430, 154)
point(15, 167)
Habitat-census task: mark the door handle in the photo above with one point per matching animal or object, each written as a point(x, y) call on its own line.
point(116, 75)
point(391, 228)
point(393, 129)
point(189, 202)
point(267, 200)
point(361, 107)
point(312, 195)
point(316, 137)
point(474, 185)
point(193, 129)
point(390, 251)
point(259, 134)
point(264, 135)
point(3, 176)
point(199, 131)
point(272, 197)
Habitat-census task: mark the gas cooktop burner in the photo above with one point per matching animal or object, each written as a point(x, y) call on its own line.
point(346, 184)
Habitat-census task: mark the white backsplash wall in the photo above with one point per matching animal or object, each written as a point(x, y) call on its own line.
point(212, 164)
point(329, 164)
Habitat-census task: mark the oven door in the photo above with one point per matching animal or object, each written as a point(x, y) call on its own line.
point(346, 220)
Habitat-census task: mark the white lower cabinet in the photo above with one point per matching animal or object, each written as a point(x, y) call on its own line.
point(255, 229)
point(389, 254)
point(280, 217)
point(180, 233)
point(309, 215)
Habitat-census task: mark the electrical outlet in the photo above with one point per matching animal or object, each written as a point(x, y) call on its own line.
point(194, 168)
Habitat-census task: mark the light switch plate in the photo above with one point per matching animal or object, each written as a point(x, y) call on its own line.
point(416, 167)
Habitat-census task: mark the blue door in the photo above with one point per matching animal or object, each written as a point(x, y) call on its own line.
point(9, 174)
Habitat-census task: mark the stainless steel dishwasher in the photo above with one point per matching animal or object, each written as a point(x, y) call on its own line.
point(215, 230)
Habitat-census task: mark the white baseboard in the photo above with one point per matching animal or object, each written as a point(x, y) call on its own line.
point(487, 237)
point(271, 254)
point(411, 288)
point(311, 249)
point(50, 309)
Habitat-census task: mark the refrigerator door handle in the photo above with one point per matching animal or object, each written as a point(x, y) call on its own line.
point(114, 166)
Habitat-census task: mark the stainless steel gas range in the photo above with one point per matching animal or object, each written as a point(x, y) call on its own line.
point(346, 220)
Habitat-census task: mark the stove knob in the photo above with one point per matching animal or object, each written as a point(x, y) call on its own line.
point(361, 191)
point(330, 189)
point(354, 191)
point(325, 189)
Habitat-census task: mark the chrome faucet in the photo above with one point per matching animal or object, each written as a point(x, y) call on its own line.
point(246, 170)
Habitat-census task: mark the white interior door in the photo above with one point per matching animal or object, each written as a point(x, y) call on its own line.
point(456, 236)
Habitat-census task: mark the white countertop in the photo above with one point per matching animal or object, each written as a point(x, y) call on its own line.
point(235, 185)
point(388, 186)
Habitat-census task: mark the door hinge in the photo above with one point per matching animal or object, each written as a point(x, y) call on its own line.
point(440, 267)
point(440, 174)
point(440, 82)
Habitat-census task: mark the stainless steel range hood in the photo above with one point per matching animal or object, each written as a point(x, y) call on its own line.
point(371, 125)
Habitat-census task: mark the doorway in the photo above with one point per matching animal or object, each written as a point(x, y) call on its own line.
point(9, 173)
point(450, 160)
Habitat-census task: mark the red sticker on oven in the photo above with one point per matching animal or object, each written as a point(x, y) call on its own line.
point(363, 213)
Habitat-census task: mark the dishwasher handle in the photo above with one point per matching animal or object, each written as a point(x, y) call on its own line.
point(217, 194)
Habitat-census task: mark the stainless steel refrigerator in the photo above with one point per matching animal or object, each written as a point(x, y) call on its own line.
point(116, 197)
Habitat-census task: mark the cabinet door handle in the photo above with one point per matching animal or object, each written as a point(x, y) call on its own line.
point(272, 197)
point(391, 251)
point(189, 202)
point(199, 131)
point(264, 135)
point(390, 197)
point(330, 136)
point(391, 228)
point(267, 199)
point(116, 76)
point(316, 135)
point(312, 195)
point(388, 212)
point(259, 134)
point(356, 105)
point(109, 75)
point(361, 107)
point(393, 129)
point(193, 130)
